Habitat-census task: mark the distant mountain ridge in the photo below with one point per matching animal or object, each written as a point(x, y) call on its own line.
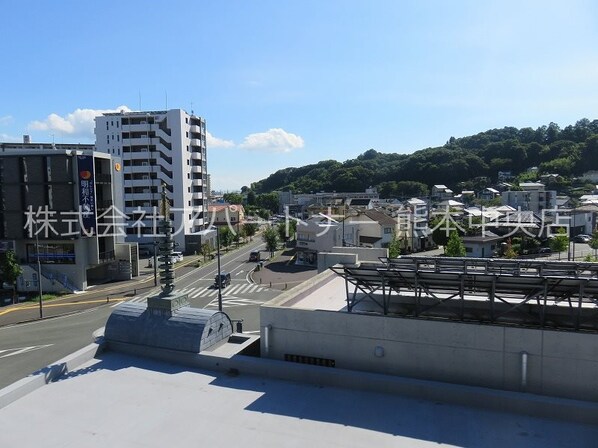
point(568, 152)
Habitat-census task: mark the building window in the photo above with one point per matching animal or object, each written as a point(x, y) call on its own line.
point(387, 230)
point(107, 139)
point(51, 253)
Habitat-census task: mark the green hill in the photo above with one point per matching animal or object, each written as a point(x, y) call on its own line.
point(568, 152)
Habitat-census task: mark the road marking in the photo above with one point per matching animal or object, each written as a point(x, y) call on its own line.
point(228, 302)
point(52, 305)
point(20, 350)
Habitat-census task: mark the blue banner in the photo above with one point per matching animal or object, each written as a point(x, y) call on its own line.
point(87, 201)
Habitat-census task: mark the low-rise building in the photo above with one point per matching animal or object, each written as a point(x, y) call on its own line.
point(60, 204)
point(482, 246)
point(226, 214)
point(533, 197)
point(317, 234)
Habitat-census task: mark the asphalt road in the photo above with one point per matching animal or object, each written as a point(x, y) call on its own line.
point(28, 347)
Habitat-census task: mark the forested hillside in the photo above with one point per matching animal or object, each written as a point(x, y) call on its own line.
point(568, 152)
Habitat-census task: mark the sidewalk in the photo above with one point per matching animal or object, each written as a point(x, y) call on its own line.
point(95, 296)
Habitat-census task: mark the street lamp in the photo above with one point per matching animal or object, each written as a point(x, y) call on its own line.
point(39, 273)
point(219, 273)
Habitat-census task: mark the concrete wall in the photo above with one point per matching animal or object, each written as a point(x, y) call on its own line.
point(349, 255)
point(563, 364)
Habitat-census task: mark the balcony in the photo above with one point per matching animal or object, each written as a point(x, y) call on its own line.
point(139, 183)
point(196, 155)
point(140, 141)
point(196, 169)
point(195, 128)
point(141, 169)
point(195, 142)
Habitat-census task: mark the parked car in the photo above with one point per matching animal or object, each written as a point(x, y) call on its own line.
point(178, 256)
point(255, 255)
point(223, 279)
point(544, 251)
point(582, 238)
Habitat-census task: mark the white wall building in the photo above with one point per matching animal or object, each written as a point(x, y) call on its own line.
point(533, 197)
point(160, 147)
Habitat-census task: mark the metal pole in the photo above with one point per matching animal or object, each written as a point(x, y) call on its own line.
point(219, 273)
point(39, 274)
point(155, 265)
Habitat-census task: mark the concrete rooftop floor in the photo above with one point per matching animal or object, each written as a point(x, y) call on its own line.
point(118, 400)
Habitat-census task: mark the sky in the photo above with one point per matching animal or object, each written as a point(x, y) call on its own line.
point(289, 83)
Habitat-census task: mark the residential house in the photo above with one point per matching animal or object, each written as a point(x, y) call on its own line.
point(441, 192)
point(482, 246)
point(488, 194)
point(371, 228)
point(222, 214)
point(413, 226)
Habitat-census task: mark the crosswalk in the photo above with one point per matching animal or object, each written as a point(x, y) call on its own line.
point(211, 292)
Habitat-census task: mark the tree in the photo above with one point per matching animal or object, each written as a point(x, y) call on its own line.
point(594, 243)
point(233, 198)
point(394, 247)
point(454, 246)
point(268, 201)
point(251, 197)
point(439, 230)
point(287, 229)
point(250, 229)
point(226, 236)
point(270, 237)
point(11, 271)
point(206, 250)
point(559, 242)
point(510, 252)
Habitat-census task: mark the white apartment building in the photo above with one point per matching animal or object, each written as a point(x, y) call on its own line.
point(159, 147)
point(533, 197)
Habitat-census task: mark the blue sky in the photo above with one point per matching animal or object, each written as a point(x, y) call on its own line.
point(287, 83)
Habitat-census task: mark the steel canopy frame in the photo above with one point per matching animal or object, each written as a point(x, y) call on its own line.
point(530, 292)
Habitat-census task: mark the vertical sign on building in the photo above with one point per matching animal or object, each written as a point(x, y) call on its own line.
point(87, 201)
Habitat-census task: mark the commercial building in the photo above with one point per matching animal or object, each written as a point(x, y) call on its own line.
point(514, 325)
point(58, 204)
point(160, 147)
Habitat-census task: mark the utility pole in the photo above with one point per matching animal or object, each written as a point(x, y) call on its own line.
point(39, 273)
point(219, 273)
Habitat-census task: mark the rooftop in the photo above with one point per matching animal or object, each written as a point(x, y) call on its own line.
point(125, 401)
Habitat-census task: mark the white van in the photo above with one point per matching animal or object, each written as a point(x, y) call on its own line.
point(177, 256)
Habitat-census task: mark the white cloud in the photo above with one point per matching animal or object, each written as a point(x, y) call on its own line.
point(77, 123)
point(9, 138)
point(6, 120)
point(215, 142)
point(274, 140)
